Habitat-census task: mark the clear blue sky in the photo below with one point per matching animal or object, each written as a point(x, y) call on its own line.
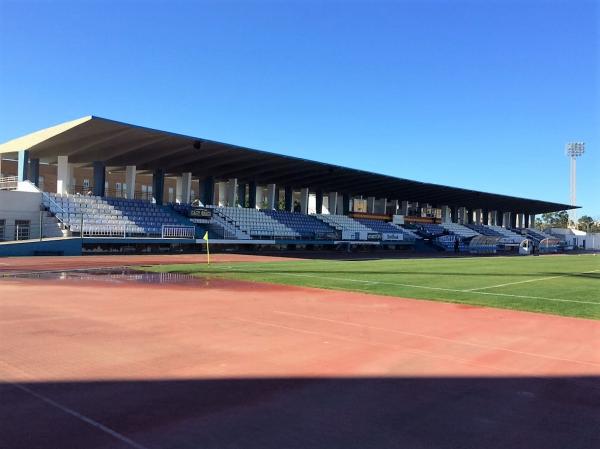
point(477, 94)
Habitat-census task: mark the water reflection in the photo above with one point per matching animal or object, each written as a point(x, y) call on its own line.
point(110, 275)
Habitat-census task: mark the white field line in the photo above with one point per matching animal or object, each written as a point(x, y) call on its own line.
point(434, 337)
point(595, 303)
point(79, 416)
point(426, 287)
point(530, 280)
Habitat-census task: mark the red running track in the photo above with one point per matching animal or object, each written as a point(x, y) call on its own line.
point(220, 364)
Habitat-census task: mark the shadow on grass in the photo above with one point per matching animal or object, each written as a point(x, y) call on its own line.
point(320, 413)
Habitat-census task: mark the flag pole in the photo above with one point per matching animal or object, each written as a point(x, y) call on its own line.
point(205, 238)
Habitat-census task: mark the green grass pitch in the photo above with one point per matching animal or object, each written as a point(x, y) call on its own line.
point(562, 285)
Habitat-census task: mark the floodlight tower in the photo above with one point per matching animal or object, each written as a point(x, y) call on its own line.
point(573, 151)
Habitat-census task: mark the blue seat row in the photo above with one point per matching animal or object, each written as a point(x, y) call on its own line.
point(379, 226)
point(484, 230)
point(140, 216)
point(306, 225)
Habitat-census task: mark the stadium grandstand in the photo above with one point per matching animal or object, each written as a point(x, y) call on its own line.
point(95, 184)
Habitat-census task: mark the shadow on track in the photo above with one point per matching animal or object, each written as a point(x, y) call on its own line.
point(321, 413)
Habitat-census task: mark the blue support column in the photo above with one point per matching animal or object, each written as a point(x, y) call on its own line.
point(526, 220)
point(319, 201)
point(242, 194)
point(99, 178)
point(158, 185)
point(34, 172)
point(289, 198)
point(346, 205)
point(485, 218)
point(252, 195)
point(499, 218)
point(208, 194)
point(277, 191)
point(513, 219)
point(23, 165)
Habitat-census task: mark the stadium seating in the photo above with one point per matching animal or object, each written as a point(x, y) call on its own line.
point(385, 227)
point(484, 230)
point(379, 226)
point(457, 229)
point(255, 223)
point(112, 216)
point(409, 233)
point(350, 228)
point(217, 227)
point(447, 242)
point(306, 226)
point(536, 235)
point(484, 244)
point(430, 230)
point(181, 208)
point(507, 235)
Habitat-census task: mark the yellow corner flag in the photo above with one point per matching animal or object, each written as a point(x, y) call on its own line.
point(205, 238)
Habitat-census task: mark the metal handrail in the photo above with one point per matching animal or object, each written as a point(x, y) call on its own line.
point(50, 200)
point(178, 231)
point(9, 182)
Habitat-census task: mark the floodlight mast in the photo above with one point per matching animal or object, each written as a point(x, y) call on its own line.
point(574, 150)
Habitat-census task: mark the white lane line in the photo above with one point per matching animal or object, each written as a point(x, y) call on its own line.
point(79, 416)
point(531, 280)
point(434, 337)
point(595, 303)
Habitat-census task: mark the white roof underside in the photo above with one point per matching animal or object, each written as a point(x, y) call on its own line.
point(30, 140)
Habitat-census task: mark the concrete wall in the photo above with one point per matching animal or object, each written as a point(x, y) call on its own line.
point(16, 205)
point(65, 247)
point(592, 241)
point(578, 238)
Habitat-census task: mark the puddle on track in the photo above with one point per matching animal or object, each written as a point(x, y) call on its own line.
point(115, 277)
point(109, 275)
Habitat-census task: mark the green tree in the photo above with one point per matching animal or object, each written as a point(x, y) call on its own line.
point(558, 219)
point(540, 224)
point(585, 222)
point(588, 224)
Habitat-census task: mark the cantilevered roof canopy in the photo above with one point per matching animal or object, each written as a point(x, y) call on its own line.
point(118, 144)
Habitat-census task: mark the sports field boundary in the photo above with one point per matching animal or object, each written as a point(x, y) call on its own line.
point(425, 287)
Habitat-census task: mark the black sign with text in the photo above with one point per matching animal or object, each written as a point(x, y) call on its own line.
point(200, 212)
